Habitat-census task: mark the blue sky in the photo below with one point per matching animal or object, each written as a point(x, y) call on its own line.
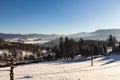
point(58, 16)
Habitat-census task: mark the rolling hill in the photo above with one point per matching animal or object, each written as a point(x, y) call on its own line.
point(101, 34)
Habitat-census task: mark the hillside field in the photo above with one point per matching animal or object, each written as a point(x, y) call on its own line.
point(105, 68)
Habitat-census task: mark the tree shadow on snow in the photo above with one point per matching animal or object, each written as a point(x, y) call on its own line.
point(25, 77)
point(110, 59)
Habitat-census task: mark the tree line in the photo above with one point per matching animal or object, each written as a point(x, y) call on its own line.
point(68, 47)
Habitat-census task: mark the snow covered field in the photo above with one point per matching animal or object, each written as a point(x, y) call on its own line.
point(105, 68)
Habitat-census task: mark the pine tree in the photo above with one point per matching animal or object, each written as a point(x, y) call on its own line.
point(119, 47)
point(66, 48)
point(80, 44)
point(61, 47)
point(111, 41)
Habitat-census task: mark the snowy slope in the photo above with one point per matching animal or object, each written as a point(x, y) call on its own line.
point(105, 68)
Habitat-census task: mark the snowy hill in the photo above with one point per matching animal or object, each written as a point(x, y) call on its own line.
point(98, 34)
point(105, 68)
point(33, 40)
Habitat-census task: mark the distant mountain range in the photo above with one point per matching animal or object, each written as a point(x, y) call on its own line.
point(101, 34)
point(41, 36)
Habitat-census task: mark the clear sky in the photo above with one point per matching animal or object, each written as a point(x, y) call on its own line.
point(58, 16)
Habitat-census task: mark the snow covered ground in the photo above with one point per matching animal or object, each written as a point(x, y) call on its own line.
point(105, 68)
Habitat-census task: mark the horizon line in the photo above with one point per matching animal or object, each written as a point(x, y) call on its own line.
point(60, 33)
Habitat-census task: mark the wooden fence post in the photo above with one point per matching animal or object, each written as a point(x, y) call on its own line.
point(12, 67)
